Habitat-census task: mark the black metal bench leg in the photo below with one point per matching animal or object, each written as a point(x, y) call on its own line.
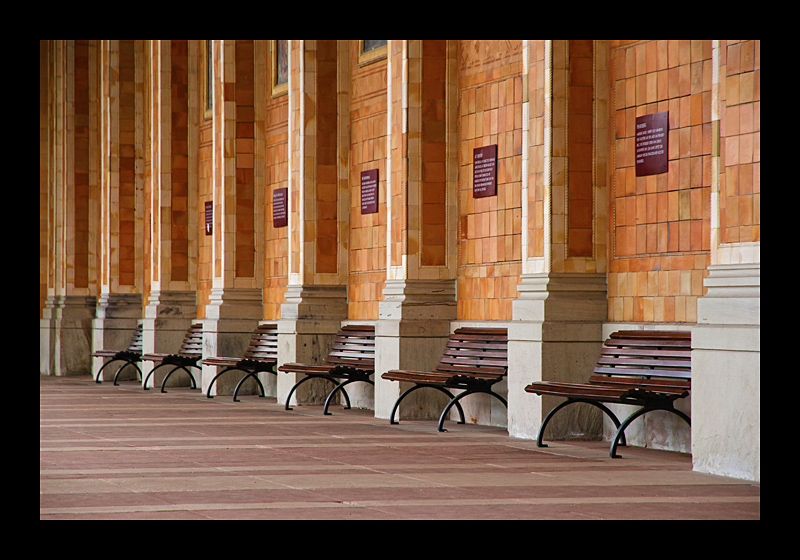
point(621, 429)
point(308, 378)
point(340, 387)
point(569, 401)
point(414, 388)
point(547, 418)
point(254, 375)
point(116, 375)
point(97, 377)
point(458, 398)
point(184, 368)
point(210, 385)
point(146, 379)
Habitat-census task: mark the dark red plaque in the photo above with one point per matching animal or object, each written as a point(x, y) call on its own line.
point(209, 217)
point(280, 207)
point(652, 142)
point(369, 191)
point(484, 171)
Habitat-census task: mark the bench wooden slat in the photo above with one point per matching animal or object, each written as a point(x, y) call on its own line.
point(641, 372)
point(663, 383)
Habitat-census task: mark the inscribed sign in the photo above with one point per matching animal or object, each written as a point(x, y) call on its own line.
point(209, 217)
point(369, 191)
point(484, 171)
point(280, 207)
point(652, 141)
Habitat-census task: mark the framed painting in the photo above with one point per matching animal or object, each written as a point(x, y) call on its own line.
point(280, 67)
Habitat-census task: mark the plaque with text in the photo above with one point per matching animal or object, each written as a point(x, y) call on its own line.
point(369, 191)
point(280, 207)
point(652, 141)
point(484, 171)
point(209, 217)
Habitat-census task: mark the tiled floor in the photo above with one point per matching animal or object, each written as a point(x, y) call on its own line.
point(120, 453)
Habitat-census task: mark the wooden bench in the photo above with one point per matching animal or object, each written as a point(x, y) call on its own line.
point(131, 356)
point(261, 356)
point(649, 369)
point(351, 358)
point(474, 360)
point(188, 355)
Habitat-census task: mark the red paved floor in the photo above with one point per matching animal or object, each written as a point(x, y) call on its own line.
point(120, 453)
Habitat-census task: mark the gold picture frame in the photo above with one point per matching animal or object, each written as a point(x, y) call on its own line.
point(370, 51)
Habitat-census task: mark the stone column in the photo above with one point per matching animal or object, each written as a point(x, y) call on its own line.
point(419, 297)
point(556, 331)
point(316, 295)
point(69, 204)
point(235, 305)
point(171, 203)
point(122, 113)
point(726, 342)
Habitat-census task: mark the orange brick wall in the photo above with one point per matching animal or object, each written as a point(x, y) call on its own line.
point(658, 227)
point(127, 165)
point(740, 180)
point(489, 238)
point(581, 90)
point(326, 156)
point(245, 160)
point(660, 223)
point(205, 178)
point(368, 150)
point(276, 248)
point(179, 143)
point(398, 216)
point(434, 153)
point(536, 171)
point(81, 166)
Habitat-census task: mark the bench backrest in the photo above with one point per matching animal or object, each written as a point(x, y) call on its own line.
point(354, 345)
point(476, 351)
point(658, 356)
point(136, 344)
point(192, 344)
point(263, 343)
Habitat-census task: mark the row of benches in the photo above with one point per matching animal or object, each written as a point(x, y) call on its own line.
point(649, 369)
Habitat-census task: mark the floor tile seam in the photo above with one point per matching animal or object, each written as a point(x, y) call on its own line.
point(445, 466)
point(259, 419)
point(474, 502)
point(288, 445)
point(144, 422)
point(323, 481)
point(228, 437)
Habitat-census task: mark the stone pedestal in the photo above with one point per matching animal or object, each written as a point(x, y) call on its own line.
point(555, 335)
point(65, 335)
point(166, 318)
point(414, 322)
point(726, 373)
point(231, 317)
point(310, 319)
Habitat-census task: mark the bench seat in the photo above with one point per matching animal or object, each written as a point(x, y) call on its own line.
point(649, 369)
point(261, 356)
point(473, 360)
point(351, 358)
